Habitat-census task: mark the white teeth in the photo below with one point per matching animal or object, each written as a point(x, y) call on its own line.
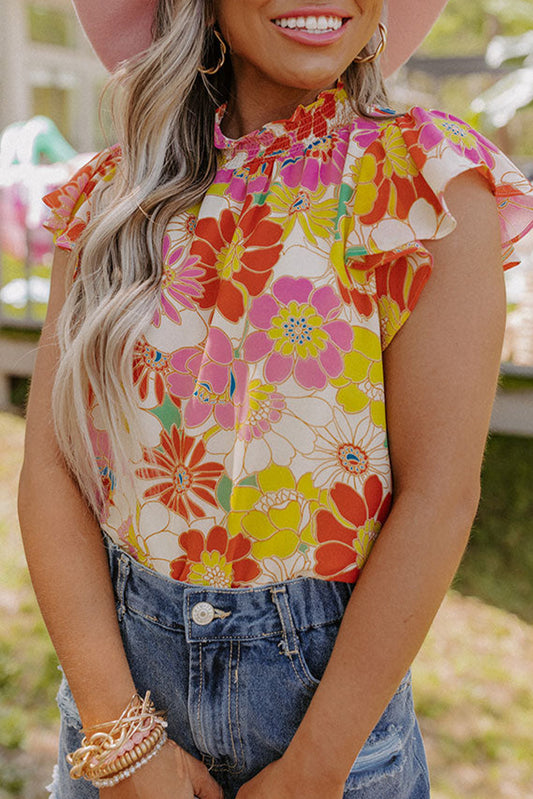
point(319, 24)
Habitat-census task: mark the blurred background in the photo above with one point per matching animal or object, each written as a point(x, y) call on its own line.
point(473, 677)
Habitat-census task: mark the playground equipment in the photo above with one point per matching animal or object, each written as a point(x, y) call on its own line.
point(34, 159)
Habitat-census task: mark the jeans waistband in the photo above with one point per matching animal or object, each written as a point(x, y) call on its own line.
point(208, 613)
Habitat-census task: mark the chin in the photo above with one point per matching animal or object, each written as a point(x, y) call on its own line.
point(311, 78)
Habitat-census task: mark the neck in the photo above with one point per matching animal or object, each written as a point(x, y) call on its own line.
point(255, 101)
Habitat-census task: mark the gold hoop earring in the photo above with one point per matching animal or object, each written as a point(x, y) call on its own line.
point(223, 49)
point(381, 46)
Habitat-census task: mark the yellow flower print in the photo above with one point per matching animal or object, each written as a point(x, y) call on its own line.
point(364, 541)
point(457, 133)
point(398, 160)
point(132, 541)
point(262, 410)
point(297, 331)
point(277, 515)
point(364, 172)
point(315, 215)
point(213, 569)
point(392, 317)
point(361, 383)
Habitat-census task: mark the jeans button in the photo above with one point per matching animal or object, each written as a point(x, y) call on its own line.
point(203, 613)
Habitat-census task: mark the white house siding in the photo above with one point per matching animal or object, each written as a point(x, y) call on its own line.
point(25, 64)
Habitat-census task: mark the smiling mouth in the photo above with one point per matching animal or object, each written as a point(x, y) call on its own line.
point(311, 24)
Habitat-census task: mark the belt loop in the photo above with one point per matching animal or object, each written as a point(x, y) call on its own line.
point(289, 645)
point(120, 587)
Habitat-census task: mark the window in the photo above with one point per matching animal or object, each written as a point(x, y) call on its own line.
point(49, 26)
point(55, 103)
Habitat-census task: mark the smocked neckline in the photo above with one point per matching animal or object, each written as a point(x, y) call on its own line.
point(330, 111)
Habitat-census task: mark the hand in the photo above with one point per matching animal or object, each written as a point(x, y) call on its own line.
point(285, 781)
point(171, 774)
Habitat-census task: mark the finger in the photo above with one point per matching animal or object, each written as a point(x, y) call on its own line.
point(205, 787)
point(203, 784)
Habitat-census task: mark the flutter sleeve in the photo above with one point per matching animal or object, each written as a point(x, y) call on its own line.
point(70, 204)
point(398, 204)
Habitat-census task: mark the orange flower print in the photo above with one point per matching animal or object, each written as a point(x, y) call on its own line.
point(149, 362)
point(238, 250)
point(398, 287)
point(215, 559)
point(345, 545)
point(185, 480)
point(66, 201)
point(398, 181)
point(313, 120)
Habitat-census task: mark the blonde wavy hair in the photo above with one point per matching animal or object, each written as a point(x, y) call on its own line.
point(164, 113)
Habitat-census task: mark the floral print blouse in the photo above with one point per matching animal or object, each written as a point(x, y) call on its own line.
point(260, 379)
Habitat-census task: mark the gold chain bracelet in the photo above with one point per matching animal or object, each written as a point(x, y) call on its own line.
point(111, 751)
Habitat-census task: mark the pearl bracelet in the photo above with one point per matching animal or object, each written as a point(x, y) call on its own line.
point(127, 772)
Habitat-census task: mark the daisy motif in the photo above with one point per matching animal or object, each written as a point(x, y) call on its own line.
point(349, 450)
point(181, 284)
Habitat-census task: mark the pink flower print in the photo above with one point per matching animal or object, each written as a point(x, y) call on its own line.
point(242, 181)
point(366, 131)
point(104, 459)
point(181, 283)
point(299, 333)
point(439, 126)
point(210, 379)
point(322, 164)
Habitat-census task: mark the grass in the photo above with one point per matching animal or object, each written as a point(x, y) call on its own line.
point(28, 666)
point(514, 383)
point(472, 677)
point(475, 701)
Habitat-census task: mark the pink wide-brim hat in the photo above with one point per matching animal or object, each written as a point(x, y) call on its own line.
point(121, 29)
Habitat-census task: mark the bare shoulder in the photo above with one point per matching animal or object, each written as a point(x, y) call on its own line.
point(61, 268)
point(474, 207)
point(442, 367)
point(39, 404)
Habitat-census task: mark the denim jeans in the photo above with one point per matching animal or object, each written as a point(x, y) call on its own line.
point(236, 674)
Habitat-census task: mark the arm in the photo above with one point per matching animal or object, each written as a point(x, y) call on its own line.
point(441, 372)
point(64, 547)
point(69, 570)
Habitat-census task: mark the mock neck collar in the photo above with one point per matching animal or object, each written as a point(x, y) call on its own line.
point(328, 112)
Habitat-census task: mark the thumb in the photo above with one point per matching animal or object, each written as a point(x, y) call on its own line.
point(203, 784)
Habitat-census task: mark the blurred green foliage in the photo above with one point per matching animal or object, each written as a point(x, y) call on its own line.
point(498, 565)
point(466, 28)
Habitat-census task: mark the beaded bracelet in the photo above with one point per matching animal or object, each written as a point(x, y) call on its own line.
point(112, 751)
point(107, 782)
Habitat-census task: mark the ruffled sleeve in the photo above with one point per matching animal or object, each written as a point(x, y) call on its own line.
point(70, 203)
point(401, 174)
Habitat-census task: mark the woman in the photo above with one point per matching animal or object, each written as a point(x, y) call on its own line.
point(227, 323)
